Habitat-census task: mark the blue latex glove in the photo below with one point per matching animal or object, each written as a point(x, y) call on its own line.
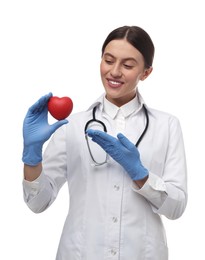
point(122, 151)
point(36, 130)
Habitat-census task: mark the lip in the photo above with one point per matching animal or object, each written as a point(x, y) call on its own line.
point(113, 83)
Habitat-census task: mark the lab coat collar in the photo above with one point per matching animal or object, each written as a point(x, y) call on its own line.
point(98, 102)
point(126, 109)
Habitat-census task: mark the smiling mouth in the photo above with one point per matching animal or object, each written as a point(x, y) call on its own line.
point(114, 83)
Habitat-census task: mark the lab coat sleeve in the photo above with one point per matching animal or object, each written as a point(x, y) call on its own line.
point(154, 190)
point(40, 193)
point(167, 194)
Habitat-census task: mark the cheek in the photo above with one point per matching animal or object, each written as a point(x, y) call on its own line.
point(132, 78)
point(103, 69)
point(103, 74)
point(138, 77)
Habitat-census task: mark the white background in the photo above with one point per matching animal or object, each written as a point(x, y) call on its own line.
point(56, 46)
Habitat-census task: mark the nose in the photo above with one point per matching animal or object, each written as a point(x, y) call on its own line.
point(116, 71)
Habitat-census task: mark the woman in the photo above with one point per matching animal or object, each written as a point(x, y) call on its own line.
point(118, 190)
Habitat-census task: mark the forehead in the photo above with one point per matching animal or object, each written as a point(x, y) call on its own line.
point(122, 49)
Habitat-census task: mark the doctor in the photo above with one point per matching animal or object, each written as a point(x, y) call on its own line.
point(124, 169)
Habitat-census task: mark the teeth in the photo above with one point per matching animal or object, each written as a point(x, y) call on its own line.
point(114, 82)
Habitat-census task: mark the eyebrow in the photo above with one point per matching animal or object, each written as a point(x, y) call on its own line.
point(126, 59)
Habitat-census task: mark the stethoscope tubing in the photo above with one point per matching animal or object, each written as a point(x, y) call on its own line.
point(105, 128)
point(95, 120)
point(146, 126)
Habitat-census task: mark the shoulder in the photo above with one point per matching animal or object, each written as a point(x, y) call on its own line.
point(158, 115)
point(161, 115)
point(164, 119)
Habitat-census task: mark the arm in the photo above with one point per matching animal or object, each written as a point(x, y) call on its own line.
point(175, 174)
point(40, 192)
point(32, 172)
point(166, 193)
point(166, 187)
point(124, 152)
point(36, 131)
point(140, 183)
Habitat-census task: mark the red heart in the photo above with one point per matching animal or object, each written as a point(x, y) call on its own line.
point(60, 108)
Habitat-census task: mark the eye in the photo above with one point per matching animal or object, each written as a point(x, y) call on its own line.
point(108, 61)
point(128, 66)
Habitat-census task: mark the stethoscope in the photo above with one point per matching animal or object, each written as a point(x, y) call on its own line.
point(95, 120)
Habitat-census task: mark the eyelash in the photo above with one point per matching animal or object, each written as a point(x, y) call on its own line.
point(126, 66)
point(108, 61)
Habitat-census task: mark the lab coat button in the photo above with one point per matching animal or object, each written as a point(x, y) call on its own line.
point(113, 252)
point(33, 191)
point(116, 187)
point(114, 219)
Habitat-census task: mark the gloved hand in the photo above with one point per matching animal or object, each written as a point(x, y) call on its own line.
point(122, 151)
point(36, 130)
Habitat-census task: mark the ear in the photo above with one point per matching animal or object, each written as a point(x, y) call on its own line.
point(146, 73)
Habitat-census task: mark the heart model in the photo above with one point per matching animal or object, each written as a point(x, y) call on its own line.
point(60, 108)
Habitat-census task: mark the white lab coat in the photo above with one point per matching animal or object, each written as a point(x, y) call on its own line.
point(109, 216)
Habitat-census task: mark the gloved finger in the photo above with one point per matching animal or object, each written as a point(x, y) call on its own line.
point(99, 134)
point(100, 137)
point(103, 139)
point(125, 141)
point(90, 132)
point(41, 104)
point(103, 143)
point(58, 124)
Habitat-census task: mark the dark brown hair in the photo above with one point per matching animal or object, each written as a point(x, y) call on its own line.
point(137, 37)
